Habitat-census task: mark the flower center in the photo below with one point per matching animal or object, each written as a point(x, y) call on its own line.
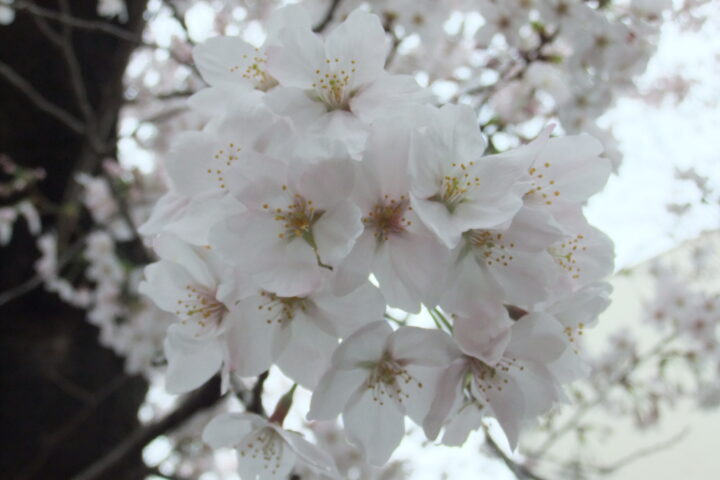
point(333, 84)
point(455, 186)
point(281, 310)
point(541, 189)
point(386, 217)
point(297, 218)
point(489, 378)
point(387, 380)
point(224, 158)
point(201, 307)
point(255, 70)
point(564, 254)
point(490, 246)
point(267, 445)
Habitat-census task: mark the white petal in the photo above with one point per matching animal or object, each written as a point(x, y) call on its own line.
point(264, 454)
point(226, 430)
point(190, 362)
point(295, 62)
point(224, 60)
point(308, 352)
point(374, 426)
point(422, 346)
point(448, 391)
point(336, 231)
point(352, 311)
point(333, 391)
point(312, 455)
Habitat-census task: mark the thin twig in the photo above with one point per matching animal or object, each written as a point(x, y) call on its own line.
point(38, 280)
point(255, 405)
point(644, 452)
point(91, 25)
point(77, 81)
point(40, 101)
point(328, 17)
point(520, 471)
point(193, 403)
point(583, 409)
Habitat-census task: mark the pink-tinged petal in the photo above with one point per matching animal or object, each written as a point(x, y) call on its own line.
point(226, 430)
point(364, 346)
point(465, 421)
point(293, 273)
point(169, 247)
point(426, 166)
point(349, 312)
point(439, 220)
point(295, 62)
point(345, 127)
point(509, 406)
point(250, 339)
point(533, 229)
point(384, 166)
point(311, 454)
point(264, 454)
point(260, 181)
point(419, 391)
point(471, 290)
point(336, 231)
point(225, 60)
point(480, 337)
point(224, 98)
point(538, 337)
point(190, 362)
point(447, 395)
point(583, 306)
point(420, 262)
point(296, 104)
point(458, 128)
point(387, 96)
point(168, 208)
point(355, 268)
point(328, 183)
point(307, 353)
point(193, 224)
point(249, 240)
point(188, 162)
point(360, 38)
point(375, 427)
point(165, 283)
point(526, 279)
point(575, 166)
point(333, 391)
point(396, 292)
point(422, 346)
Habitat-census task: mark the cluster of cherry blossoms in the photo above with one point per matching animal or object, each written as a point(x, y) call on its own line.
point(323, 190)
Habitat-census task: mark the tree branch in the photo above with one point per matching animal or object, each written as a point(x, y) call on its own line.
point(41, 102)
point(520, 471)
point(193, 403)
point(327, 18)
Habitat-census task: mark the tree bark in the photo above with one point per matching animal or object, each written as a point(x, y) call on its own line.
point(64, 400)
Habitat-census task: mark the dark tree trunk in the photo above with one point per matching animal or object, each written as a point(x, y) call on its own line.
point(64, 399)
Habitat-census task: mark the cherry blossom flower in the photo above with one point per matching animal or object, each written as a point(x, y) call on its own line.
point(298, 222)
point(192, 283)
point(265, 451)
point(514, 387)
point(298, 333)
point(453, 187)
point(337, 85)
point(375, 378)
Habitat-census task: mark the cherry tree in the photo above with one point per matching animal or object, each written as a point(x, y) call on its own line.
point(335, 225)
